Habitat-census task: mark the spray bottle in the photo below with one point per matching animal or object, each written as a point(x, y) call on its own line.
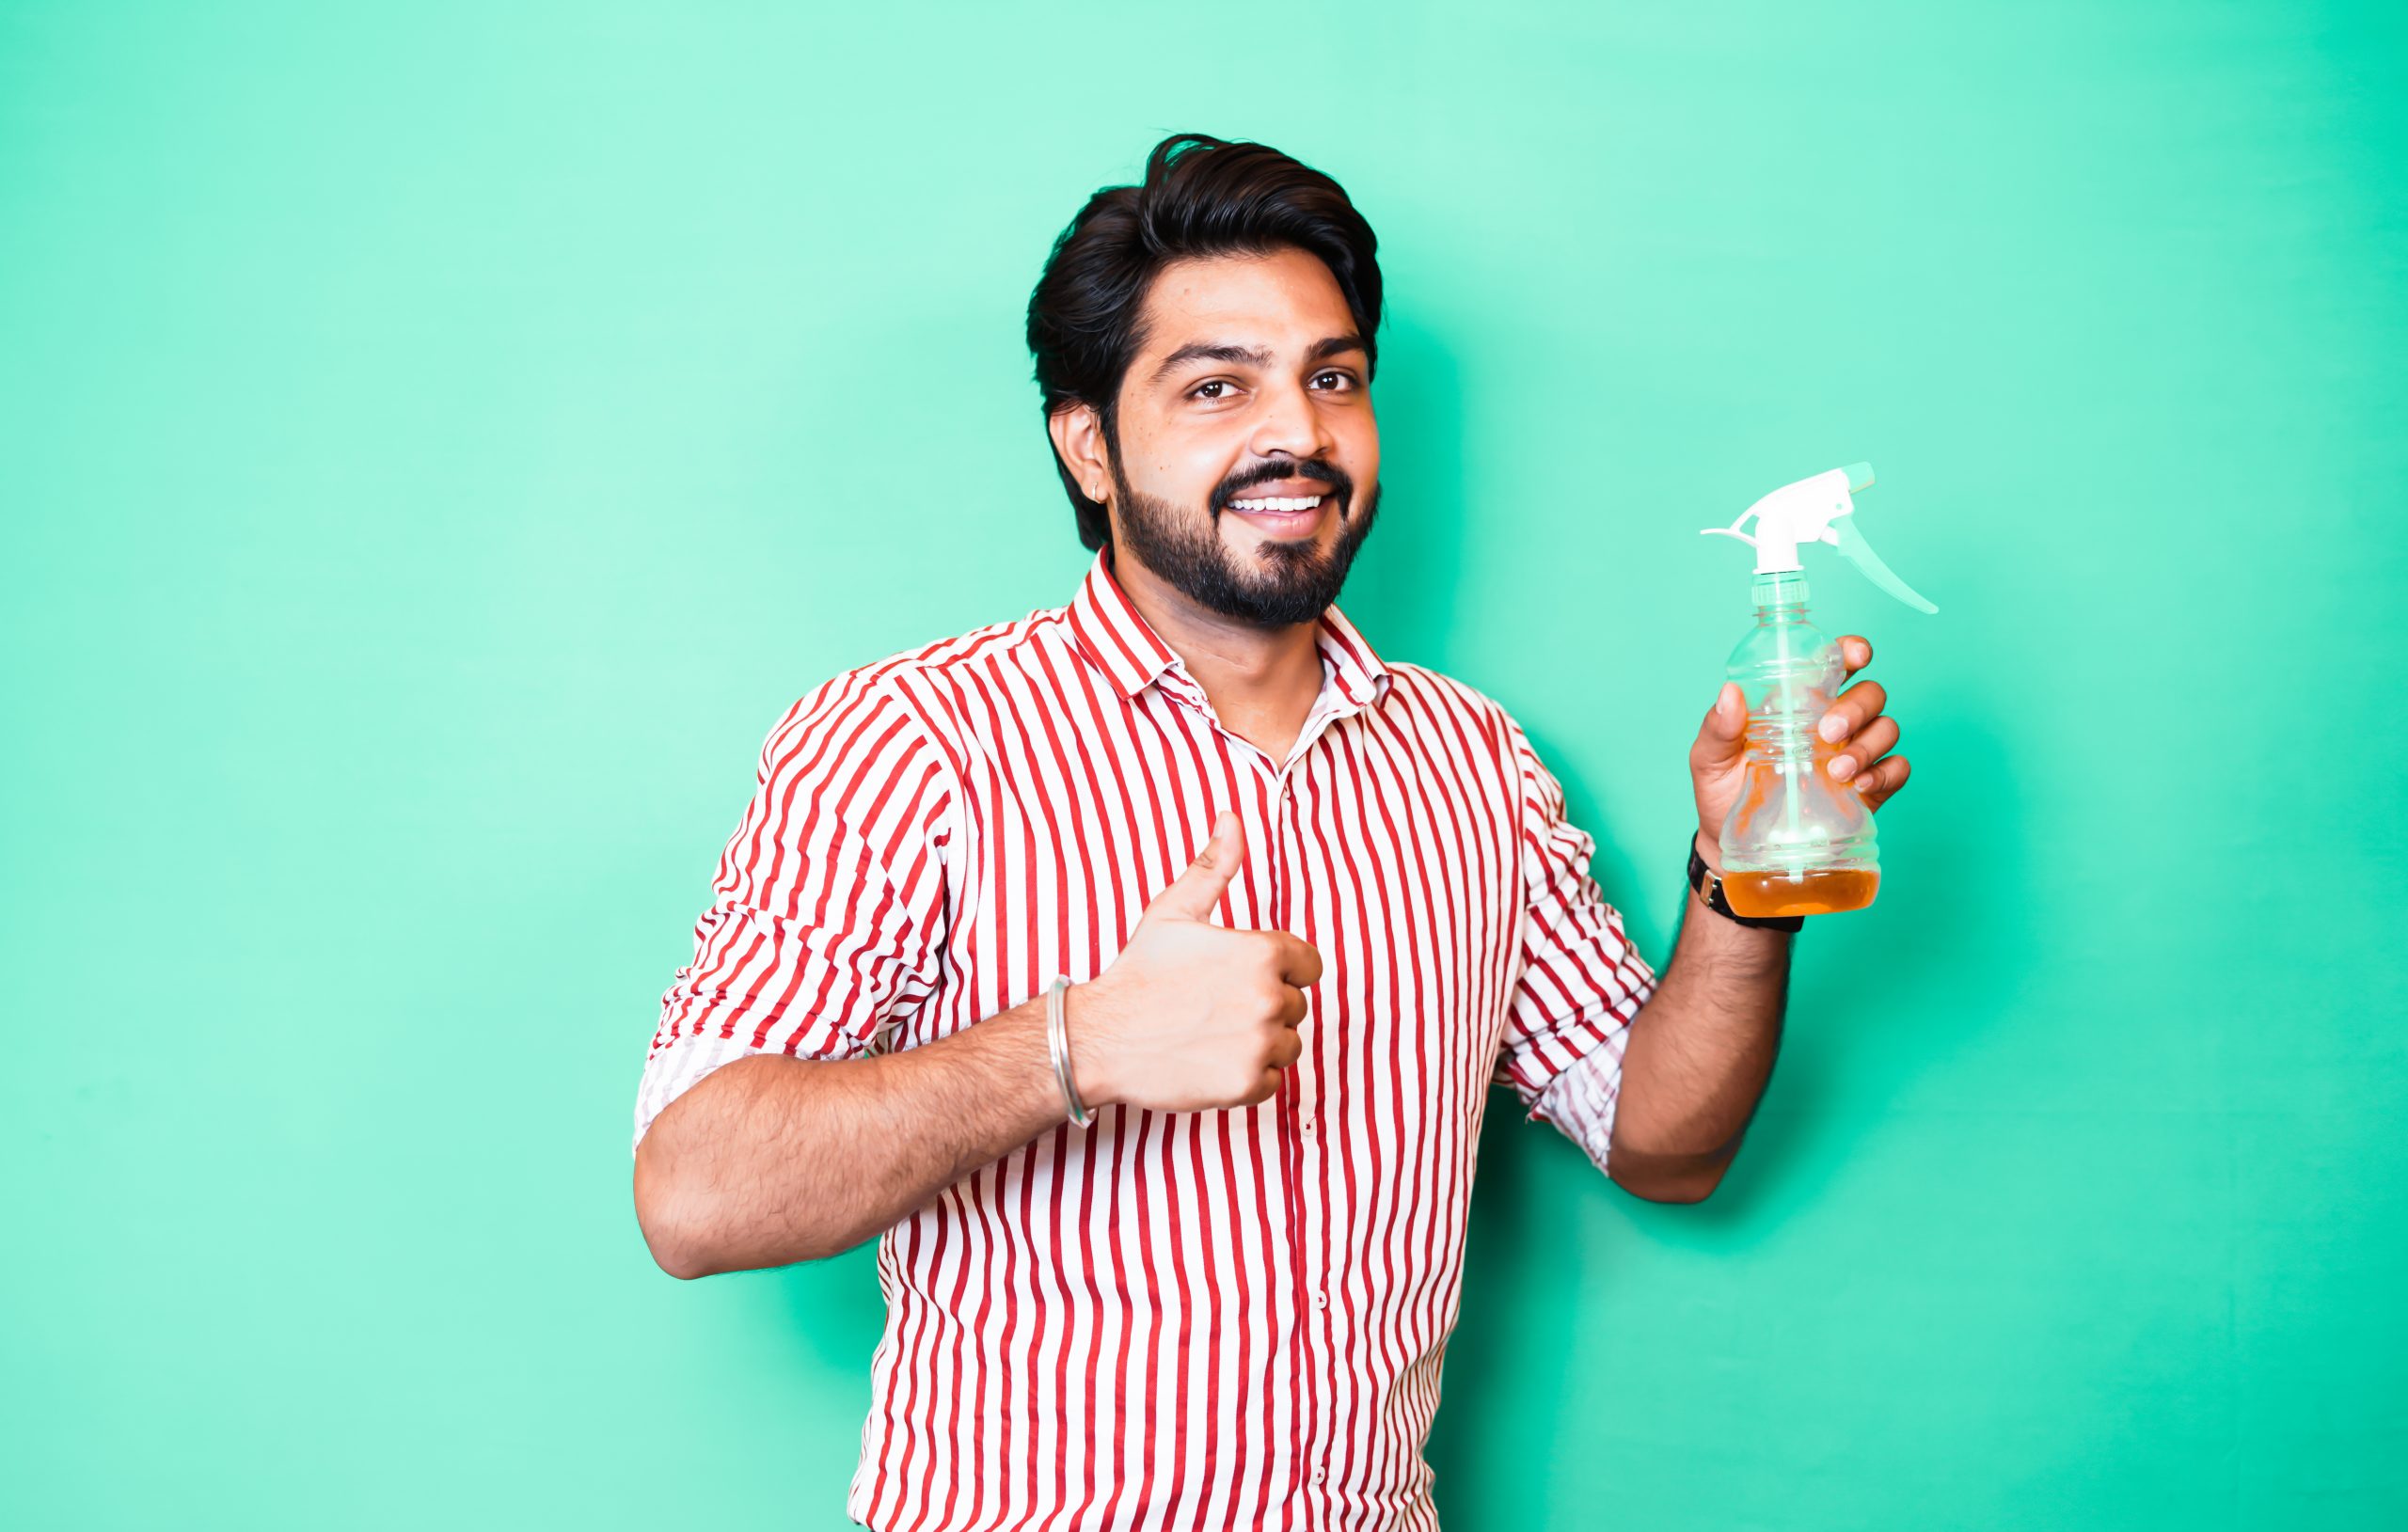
point(1797, 843)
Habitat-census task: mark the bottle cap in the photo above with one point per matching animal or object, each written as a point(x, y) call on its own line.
point(1817, 510)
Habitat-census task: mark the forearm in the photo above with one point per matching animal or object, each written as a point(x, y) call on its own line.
point(1698, 1058)
point(773, 1159)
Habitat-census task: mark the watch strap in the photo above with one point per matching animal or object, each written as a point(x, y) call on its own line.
point(1707, 885)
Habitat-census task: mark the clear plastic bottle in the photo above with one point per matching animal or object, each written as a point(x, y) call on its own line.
point(1797, 843)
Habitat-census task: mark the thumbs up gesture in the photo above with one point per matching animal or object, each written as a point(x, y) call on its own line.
point(1192, 1016)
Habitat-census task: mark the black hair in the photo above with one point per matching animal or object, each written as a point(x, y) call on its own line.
point(1201, 196)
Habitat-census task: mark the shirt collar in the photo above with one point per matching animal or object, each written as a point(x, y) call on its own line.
point(1114, 635)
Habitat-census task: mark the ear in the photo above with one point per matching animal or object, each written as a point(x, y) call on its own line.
point(1078, 435)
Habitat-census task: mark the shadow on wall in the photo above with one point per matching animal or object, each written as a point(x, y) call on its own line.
point(1404, 582)
point(1869, 1005)
point(1874, 1003)
point(834, 1311)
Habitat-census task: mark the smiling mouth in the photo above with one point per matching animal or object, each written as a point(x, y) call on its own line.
point(1283, 517)
point(1281, 504)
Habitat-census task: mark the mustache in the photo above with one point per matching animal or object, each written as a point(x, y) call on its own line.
point(1339, 481)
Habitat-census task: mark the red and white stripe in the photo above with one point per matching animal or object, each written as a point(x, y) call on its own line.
point(1165, 1320)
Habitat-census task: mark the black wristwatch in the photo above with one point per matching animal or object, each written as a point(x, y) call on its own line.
point(1708, 888)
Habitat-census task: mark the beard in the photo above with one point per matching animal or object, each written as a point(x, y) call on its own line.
point(1292, 582)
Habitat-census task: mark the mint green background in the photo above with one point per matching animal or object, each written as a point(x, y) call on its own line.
point(439, 441)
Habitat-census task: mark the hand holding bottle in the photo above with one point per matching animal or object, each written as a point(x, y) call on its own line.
point(1776, 823)
point(1192, 1016)
point(1853, 737)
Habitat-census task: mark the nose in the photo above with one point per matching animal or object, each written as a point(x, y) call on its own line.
point(1286, 422)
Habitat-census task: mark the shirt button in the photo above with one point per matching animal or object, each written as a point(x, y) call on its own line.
point(1320, 1298)
point(1309, 1125)
point(1317, 1474)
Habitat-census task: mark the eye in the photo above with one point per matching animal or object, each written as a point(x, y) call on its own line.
point(1346, 378)
point(1197, 392)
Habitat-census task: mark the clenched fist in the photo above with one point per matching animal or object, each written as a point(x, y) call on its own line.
point(1192, 1016)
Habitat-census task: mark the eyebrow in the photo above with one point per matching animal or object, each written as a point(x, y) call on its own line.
point(1223, 351)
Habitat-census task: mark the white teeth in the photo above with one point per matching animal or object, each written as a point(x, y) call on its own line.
point(1279, 503)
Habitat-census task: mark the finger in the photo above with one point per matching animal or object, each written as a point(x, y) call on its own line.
point(1293, 1007)
point(1857, 706)
point(1856, 653)
point(1199, 888)
point(1880, 784)
point(1295, 960)
point(1865, 749)
point(1724, 730)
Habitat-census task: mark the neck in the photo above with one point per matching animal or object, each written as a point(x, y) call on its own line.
point(1262, 682)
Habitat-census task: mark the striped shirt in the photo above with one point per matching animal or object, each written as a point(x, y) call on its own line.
point(1165, 1320)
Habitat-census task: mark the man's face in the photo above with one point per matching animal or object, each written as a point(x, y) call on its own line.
point(1249, 388)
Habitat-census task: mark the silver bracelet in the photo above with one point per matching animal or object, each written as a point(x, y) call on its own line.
point(1057, 1044)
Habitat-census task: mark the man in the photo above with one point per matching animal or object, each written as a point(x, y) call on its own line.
point(1313, 903)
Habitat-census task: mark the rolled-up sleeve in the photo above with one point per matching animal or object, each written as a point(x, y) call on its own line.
point(830, 900)
point(1580, 980)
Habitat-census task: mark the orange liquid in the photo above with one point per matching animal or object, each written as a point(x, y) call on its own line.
point(1759, 894)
